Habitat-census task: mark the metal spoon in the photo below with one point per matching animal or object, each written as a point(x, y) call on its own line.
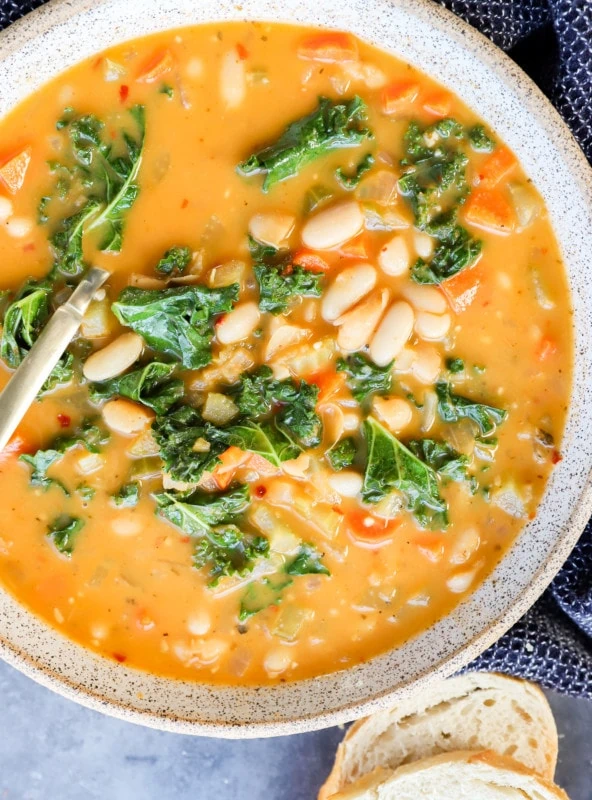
point(24, 386)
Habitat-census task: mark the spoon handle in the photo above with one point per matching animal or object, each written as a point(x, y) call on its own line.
point(25, 384)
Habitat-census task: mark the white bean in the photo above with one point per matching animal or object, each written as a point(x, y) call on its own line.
point(394, 258)
point(277, 661)
point(426, 298)
point(126, 417)
point(347, 483)
point(238, 324)
point(113, 359)
point(5, 208)
point(126, 524)
point(348, 288)
point(351, 421)
point(424, 244)
point(233, 81)
point(461, 581)
point(19, 227)
point(272, 228)
point(194, 68)
point(357, 325)
point(426, 365)
point(199, 623)
point(465, 545)
point(392, 334)
point(395, 412)
point(432, 326)
point(334, 226)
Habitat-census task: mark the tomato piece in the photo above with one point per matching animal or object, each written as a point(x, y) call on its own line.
point(331, 48)
point(230, 461)
point(492, 210)
point(329, 383)
point(311, 261)
point(156, 66)
point(365, 527)
point(495, 168)
point(398, 96)
point(14, 170)
point(17, 445)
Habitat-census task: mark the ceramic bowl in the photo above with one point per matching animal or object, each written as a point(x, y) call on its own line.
point(420, 32)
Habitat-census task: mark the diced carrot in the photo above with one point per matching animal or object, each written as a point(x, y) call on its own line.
point(365, 527)
point(496, 167)
point(310, 261)
point(17, 445)
point(260, 465)
point(462, 288)
point(230, 461)
point(492, 210)
point(156, 66)
point(355, 248)
point(14, 169)
point(438, 103)
point(329, 383)
point(398, 96)
point(546, 348)
point(331, 47)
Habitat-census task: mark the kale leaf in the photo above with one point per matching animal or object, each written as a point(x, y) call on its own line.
point(176, 434)
point(342, 454)
point(455, 365)
point(63, 532)
point(261, 594)
point(364, 377)
point(480, 140)
point(128, 495)
point(442, 458)
point(351, 181)
point(228, 551)
point(453, 407)
point(152, 385)
point(40, 462)
point(391, 466)
point(259, 393)
point(178, 322)
point(456, 251)
point(330, 127)
point(175, 261)
point(198, 512)
point(66, 240)
point(266, 439)
point(279, 280)
point(307, 562)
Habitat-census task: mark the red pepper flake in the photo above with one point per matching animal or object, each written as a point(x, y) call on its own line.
point(220, 319)
point(28, 247)
point(64, 420)
point(123, 92)
point(97, 62)
point(260, 491)
point(119, 657)
point(242, 51)
point(185, 539)
point(185, 203)
point(556, 457)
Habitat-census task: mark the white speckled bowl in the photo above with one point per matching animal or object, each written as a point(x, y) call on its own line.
point(64, 32)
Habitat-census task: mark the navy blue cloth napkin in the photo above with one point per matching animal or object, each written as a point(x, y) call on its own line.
point(552, 41)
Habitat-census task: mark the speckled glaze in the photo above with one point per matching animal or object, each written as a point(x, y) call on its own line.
point(66, 31)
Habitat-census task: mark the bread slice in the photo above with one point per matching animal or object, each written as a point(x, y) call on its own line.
point(455, 776)
point(478, 711)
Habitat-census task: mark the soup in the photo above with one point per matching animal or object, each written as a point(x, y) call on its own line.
point(325, 384)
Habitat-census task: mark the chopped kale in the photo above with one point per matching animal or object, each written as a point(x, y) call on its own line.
point(178, 322)
point(279, 280)
point(364, 377)
point(228, 551)
point(152, 385)
point(455, 252)
point(266, 439)
point(40, 462)
point(480, 140)
point(128, 495)
point(351, 181)
point(197, 513)
point(442, 458)
point(175, 261)
point(342, 454)
point(455, 365)
point(261, 594)
point(167, 89)
point(307, 562)
point(330, 127)
point(63, 532)
point(391, 466)
point(453, 407)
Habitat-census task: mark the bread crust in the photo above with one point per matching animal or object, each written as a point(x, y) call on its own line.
point(366, 732)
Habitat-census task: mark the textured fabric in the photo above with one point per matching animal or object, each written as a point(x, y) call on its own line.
point(552, 41)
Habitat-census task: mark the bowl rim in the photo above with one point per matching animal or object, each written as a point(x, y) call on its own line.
point(48, 18)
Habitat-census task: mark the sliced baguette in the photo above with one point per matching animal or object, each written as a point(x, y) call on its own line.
point(478, 711)
point(455, 776)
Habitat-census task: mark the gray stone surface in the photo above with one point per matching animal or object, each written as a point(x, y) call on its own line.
point(52, 749)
